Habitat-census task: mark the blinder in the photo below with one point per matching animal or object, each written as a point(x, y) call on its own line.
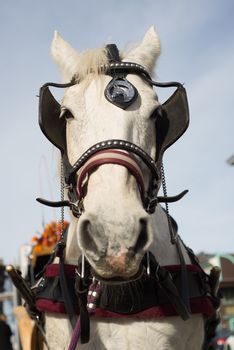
point(52, 126)
point(172, 120)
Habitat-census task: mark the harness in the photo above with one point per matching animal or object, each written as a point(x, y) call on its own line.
point(156, 290)
point(148, 296)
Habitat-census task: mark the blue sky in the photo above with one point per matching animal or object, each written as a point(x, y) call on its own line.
point(197, 49)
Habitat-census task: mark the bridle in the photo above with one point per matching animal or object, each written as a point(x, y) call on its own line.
point(171, 121)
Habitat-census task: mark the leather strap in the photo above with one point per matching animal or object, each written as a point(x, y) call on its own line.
point(110, 157)
point(172, 293)
point(81, 288)
point(124, 303)
point(63, 280)
point(113, 144)
point(66, 294)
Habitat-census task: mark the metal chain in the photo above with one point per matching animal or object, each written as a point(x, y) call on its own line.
point(173, 235)
point(62, 196)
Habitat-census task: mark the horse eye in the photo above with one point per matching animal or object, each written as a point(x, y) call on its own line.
point(65, 113)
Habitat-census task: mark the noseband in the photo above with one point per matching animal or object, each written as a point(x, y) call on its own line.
point(108, 152)
point(110, 156)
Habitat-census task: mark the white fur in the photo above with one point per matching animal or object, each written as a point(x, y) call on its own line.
point(113, 205)
point(162, 334)
point(73, 63)
point(147, 52)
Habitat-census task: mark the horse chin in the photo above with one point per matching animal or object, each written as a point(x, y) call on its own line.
point(111, 275)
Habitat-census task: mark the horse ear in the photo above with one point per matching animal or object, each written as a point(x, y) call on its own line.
point(64, 56)
point(147, 52)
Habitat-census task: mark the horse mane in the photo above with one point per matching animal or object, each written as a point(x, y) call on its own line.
point(90, 61)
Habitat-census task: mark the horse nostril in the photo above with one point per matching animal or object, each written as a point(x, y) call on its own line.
point(91, 237)
point(86, 238)
point(142, 238)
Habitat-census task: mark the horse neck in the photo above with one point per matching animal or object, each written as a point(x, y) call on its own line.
point(164, 251)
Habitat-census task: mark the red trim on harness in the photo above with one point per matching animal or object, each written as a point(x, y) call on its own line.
point(176, 268)
point(52, 270)
point(50, 306)
point(106, 157)
point(201, 305)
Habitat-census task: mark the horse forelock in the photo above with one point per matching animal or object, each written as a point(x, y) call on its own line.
point(89, 61)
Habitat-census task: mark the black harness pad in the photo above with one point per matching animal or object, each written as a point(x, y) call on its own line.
point(172, 120)
point(52, 126)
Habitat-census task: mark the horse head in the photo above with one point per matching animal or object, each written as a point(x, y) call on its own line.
point(107, 129)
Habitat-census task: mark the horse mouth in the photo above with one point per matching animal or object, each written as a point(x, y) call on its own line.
point(111, 278)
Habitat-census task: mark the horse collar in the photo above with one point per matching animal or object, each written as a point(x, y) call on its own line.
point(148, 296)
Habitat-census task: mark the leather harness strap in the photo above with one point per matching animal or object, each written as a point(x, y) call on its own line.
point(110, 156)
point(158, 290)
point(60, 253)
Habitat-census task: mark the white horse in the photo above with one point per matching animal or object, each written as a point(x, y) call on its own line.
point(115, 231)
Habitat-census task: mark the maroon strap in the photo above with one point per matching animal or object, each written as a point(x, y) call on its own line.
point(110, 156)
point(200, 305)
point(46, 305)
point(52, 270)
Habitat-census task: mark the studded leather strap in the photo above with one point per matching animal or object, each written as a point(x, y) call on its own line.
point(113, 144)
point(109, 157)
